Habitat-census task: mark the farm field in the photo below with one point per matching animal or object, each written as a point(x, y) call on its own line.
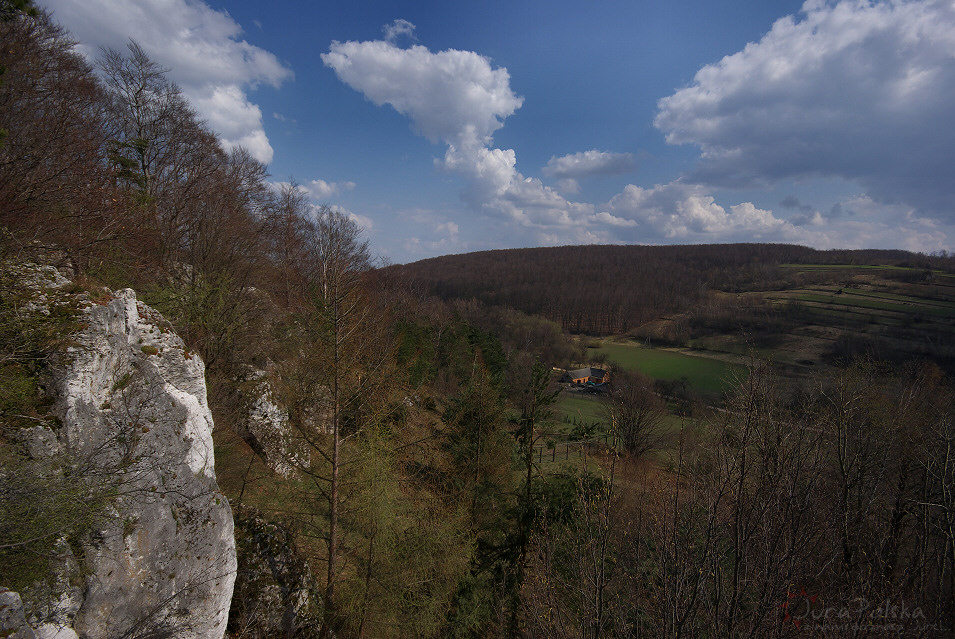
point(845, 267)
point(807, 317)
point(869, 301)
point(583, 408)
point(705, 375)
point(802, 325)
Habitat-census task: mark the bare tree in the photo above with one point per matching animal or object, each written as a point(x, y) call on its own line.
point(160, 150)
point(338, 354)
point(286, 232)
point(55, 188)
point(637, 413)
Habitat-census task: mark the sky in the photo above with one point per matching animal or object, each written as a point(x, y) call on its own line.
point(445, 127)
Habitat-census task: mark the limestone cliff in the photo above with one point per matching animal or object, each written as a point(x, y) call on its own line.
point(266, 426)
point(131, 402)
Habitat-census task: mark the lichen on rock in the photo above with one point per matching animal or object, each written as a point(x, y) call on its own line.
point(267, 428)
point(131, 409)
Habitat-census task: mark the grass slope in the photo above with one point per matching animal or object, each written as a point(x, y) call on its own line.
point(705, 375)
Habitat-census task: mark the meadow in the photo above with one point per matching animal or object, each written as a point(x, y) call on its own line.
point(705, 376)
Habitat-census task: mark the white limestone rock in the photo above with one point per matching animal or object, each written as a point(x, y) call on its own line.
point(268, 424)
point(132, 400)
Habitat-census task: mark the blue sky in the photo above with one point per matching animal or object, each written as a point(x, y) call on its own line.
point(448, 127)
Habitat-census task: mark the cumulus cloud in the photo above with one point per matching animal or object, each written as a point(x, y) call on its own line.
point(362, 221)
point(320, 189)
point(607, 219)
point(457, 98)
point(316, 190)
point(451, 96)
point(237, 121)
point(568, 169)
point(867, 223)
point(587, 163)
point(201, 47)
point(442, 235)
point(686, 213)
point(318, 211)
point(857, 90)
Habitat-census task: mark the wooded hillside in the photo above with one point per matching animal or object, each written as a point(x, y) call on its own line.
point(403, 478)
point(613, 289)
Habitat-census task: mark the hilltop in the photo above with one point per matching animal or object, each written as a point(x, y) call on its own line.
point(803, 306)
point(389, 459)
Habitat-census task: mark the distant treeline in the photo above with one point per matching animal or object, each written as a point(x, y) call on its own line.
point(613, 289)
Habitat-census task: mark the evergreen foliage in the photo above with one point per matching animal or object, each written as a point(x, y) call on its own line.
point(425, 505)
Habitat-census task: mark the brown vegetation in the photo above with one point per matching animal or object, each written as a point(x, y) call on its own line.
point(420, 509)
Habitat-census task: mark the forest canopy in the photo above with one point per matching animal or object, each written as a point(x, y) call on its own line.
point(422, 490)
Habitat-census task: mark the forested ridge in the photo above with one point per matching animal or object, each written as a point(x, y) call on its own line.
point(606, 290)
point(412, 495)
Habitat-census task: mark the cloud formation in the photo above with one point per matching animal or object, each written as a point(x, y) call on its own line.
point(397, 29)
point(318, 192)
point(363, 221)
point(458, 98)
point(856, 90)
point(201, 47)
point(588, 163)
point(321, 190)
point(568, 169)
point(685, 213)
point(451, 96)
point(680, 212)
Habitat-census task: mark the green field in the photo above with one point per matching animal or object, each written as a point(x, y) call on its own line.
point(704, 375)
point(848, 267)
point(572, 405)
point(904, 306)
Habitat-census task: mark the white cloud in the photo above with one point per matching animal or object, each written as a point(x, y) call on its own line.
point(587, 163)
point(451, 96)
point(201, 48)
point(316, 190)
point(237, 121)
point(607, 219)
point(397, 29)
point(858, 90)
point(450, 229)
point(568, 185)
point(363, 221)
point(867, 223)
point(320, 189)
point(457, 98)
point(686, 213)
point(438, 235)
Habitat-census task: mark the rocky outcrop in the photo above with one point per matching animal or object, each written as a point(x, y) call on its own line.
point(267, 428)
point(13, 622)
point(275, 592)
point(131, 402)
